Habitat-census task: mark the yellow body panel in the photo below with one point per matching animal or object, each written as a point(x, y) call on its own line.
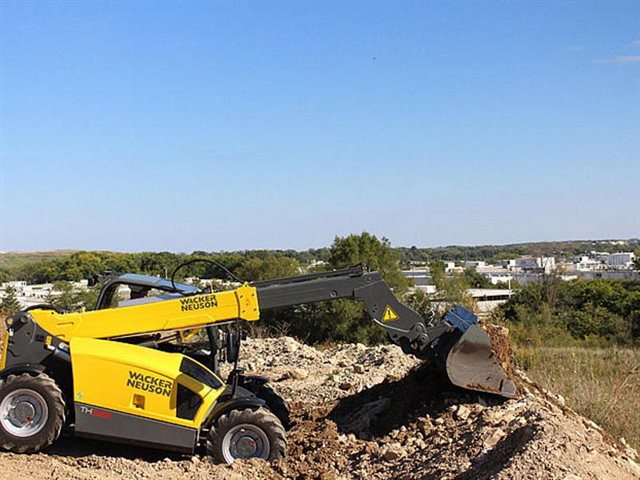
point(182, 313)
point(135, 380)
point(5, 347)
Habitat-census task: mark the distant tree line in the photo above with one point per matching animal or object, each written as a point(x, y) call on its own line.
point(340, 320)
point(580, 312)
point(493, 253)
point(85, 264)
point(549, 312)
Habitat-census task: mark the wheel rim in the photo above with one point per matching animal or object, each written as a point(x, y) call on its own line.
point(245, 441)
point(23, 412)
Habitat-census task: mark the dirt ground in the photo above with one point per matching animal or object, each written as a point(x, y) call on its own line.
point(371, 412)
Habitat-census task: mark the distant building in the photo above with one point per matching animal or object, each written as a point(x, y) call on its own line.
point(475, 264)
point(546, 264)
point(622, 274)
point(489, 298)
point(624, 260)
point(428, 289)
point(28, 295)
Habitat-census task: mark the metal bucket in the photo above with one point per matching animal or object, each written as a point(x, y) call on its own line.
point(471, 364)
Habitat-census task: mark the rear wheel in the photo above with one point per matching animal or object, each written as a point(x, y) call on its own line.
point(243, 434)
point(32, 412)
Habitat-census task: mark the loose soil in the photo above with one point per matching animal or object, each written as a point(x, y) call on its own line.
point(372, 412)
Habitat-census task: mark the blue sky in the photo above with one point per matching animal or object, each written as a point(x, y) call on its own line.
point(223, 126)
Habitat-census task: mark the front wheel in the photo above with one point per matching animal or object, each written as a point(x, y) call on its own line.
point(243, 434)
point(32, 413)
point(275, 403)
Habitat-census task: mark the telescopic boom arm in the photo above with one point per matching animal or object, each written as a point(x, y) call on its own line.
point(405, 327)
point(455, 341)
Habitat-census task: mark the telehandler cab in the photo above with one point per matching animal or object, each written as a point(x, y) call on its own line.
point(123, 372)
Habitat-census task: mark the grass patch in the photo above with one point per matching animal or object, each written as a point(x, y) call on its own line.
point(601, 384)
point(12, 260)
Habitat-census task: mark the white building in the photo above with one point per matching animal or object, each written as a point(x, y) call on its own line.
point(475, 264)
point(28, 295)
point(587, 264)
point(500, 276)
point(489, 298)
point(624, 260)
point(547, 264)
point(428, 289)
point(450, 267)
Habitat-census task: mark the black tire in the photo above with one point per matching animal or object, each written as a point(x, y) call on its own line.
point(276, 403)
point(36, 388)
point(258, 429)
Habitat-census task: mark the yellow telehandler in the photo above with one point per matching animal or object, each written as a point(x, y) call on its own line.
point(124, 372)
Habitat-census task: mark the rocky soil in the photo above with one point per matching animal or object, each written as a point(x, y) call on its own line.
point(372, 412)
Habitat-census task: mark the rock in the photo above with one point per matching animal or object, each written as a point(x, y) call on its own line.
point(393, 452)
point(328, 476)
point(529, 437)
point(462, 412)
point(425, 425)
point(493, 438)
point(508, 418)
point(491, 416)
point(290, 344)
point(632, 453)
point(298, 373)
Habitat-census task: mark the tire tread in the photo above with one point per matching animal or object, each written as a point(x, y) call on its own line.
point(56, 406)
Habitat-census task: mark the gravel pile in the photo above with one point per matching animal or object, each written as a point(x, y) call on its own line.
point(372, 412)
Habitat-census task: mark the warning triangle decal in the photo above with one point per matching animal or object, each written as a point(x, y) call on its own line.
point(389, 314)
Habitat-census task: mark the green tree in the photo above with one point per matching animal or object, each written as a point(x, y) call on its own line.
point(376, 253)
point(346, 320)
point(66, 297)
point(62, 296)
point(437, 271)
point(255, 269)
point(420, 301)
point(5, 275)
point(476, 280)
point(9, 304)
point(556, 313)
point(450, 290)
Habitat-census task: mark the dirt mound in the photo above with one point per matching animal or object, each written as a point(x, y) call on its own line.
point(394, 402)
point(372, 412)
point(501, 348)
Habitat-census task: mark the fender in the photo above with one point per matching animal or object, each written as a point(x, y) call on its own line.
point(243, 399)
point(251, 382)
point(30, 368)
